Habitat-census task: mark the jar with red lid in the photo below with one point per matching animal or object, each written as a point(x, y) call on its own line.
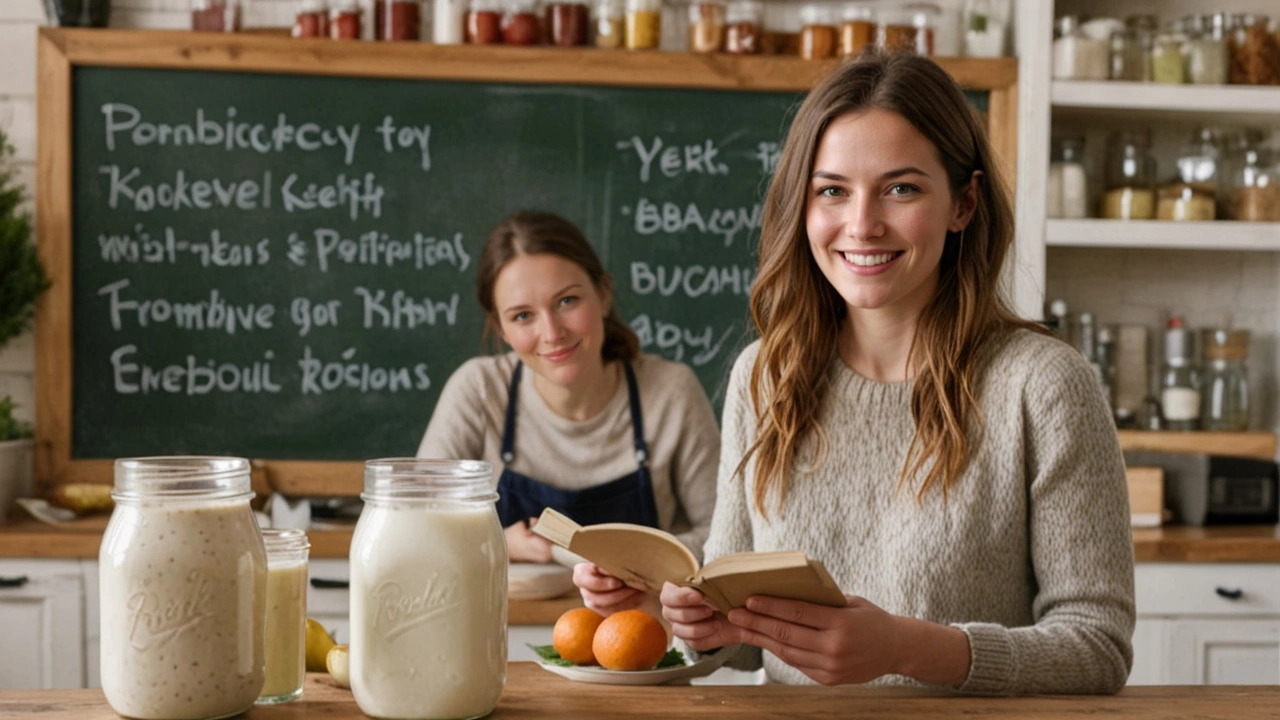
point(345, 20)
point(311, 19)
point(520, 23)
point(744, 23)
point(215, 15)
point(484, 22)
point(817, 32)
point(401, 20)
point(567, 23)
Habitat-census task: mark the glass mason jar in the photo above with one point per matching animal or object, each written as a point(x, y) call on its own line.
point(1077, 56)
point(706, 27)
point(1068, 181)
point(1131, 49)
point(1130, 178)
point(1205, 52)
point(1180, 379)
point(428, 591)
point(744, 20)
point(1166, 59)
point(894, 29)
point(484, 22)
point(286, 619)
point(643, 30)
point(857, 28)
point(925, 19)
point(344, 19)
point(182, 590)
point(311, 19)
point(401, 20)
point(215, 15)
point(1255, 52)
point(520, 23)
point(1255, 188)
point(567, 22)
point(610, 23)
point(817, 31)
point(448, 22)
point(1226, 381)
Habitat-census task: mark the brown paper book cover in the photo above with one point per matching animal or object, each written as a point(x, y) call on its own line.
point(646, 557)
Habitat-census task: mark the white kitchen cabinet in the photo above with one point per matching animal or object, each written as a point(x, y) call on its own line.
point(1207, 624)
point(42, 624)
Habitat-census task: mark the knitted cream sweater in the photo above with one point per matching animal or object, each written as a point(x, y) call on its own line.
point(1031, 554)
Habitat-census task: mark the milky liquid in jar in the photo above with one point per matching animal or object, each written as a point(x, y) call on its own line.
point(286, 620)
point(182, 590)
point(428, 592)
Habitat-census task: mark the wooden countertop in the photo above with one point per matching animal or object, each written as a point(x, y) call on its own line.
point(531, 692)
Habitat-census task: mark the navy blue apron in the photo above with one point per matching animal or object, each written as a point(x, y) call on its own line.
point(626, 499)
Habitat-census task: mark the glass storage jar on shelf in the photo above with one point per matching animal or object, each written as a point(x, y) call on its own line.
point(894, 30)
point(345, 19)
point(285, 626)
point(215, 15)
point(1131, 49)
point(1180, 378)
point(817, 31)
point(1166, 58)
point(401, 20)
point(1193, 195)
point(484, 22)
point(567, 22)
point(1068, 180)
point(1225, 382)
point(1184, 201)
point(520, 23)
point(1129, 178)
point(744, 31)
point(857, 28)
point(984, 30)
point(643, 24)
point(609, 23)
point(924, 18)
point(1255, 188)
point(448, 22)
point(1076, 56)
point(311, 19)
point(1204, 54)
point(1255, 52)
point(706, 27)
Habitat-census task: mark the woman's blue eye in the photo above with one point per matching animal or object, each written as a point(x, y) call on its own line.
point(829, 191)
point(521, 316)
point(568, 299)
point(902, 189)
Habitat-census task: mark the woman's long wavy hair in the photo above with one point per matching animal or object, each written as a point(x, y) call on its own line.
point(799, 314)
point(531, 232)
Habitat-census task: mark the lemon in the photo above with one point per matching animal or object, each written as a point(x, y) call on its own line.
point(336, 661)
point(319, 643)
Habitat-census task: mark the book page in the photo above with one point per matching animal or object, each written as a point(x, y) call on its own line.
point(639, 556)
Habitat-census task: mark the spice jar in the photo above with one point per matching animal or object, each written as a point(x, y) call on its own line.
point(1166, 58)
point(311, 19)
point(1130, 175)
point(1255, 189)
point(567, 23)
point(1131, 49)
point(428, 629)
point(520, 24)
point(1225, 397)
point(1255, 52)
point(1068, 182)
point(182, 589)
point(744, 20)
point(402, 20)
point(609, 23)
point(643, 30)
point(1179, 379)
point(706, 27)
point(924, 19)
point(344, 20)
point(448, 21)
point(286, 618)
point(1076, 56)
point(894, 30)
point(817, 32)
point(484, 22)
point(1205, 52)
point(215, 15)
point(857, 28)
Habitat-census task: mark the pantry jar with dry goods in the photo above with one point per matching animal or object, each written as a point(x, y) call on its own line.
point(311, 20)
point(567, 22)
point(520, 23)
point(1255, 188)
point(744, 21)
point(609, 23)
point(1131, 49)
point(817, 31)
point(1205, 51)
point(706, 27)
point(215, 15)
point(484, 22)
point(1129, 177)
point(1076, 55)
point(857, 28)
point(643, 24)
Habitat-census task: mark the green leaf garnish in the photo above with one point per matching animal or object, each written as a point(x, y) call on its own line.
point(673, 658)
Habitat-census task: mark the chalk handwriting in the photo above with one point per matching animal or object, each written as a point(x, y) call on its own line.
point(124, 189)
point(674, 340)
point(212, 314)
point(141, 247)
point(319, 377)
point(377, 248)
point(192, 377)
point(399, 311)
point(406, 137)
point(669, 217)
point(673, 160)
point(306, 313)
point(358, 194)
point(692, 281)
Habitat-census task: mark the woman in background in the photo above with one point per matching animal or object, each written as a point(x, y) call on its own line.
point(955, 468)
point(574, 417)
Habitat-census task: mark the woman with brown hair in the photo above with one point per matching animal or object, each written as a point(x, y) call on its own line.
point(955, 468)
point(606, 434)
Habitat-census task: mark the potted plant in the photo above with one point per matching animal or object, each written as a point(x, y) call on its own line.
point(22, 279)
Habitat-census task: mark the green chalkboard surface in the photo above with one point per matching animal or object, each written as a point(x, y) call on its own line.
point(282, 266)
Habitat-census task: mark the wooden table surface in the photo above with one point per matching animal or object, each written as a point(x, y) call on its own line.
point(531, 692)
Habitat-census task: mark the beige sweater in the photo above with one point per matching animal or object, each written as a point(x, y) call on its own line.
point(1031, 555)
point(679, 427)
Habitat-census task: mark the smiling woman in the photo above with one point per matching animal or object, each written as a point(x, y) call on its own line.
point(606, 434)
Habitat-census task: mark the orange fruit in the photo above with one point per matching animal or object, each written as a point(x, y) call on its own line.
point(630, 640)
point(573, 634)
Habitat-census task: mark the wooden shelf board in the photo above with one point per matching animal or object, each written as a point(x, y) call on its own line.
point(1261, 445)
point(1163, 234)
point(1148, 97)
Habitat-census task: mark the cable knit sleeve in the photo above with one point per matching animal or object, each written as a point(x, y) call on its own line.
point(693, 469)
point(1080, 545)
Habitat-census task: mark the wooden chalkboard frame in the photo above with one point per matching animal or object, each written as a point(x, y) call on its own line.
point(61, 49)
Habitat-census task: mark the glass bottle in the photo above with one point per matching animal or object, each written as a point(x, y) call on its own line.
point(286, 618)
point(1076, 56)
point(311, 19)
point(484, 22)
point(215, 15)
point(817, 32)
point(568, 22)
point(344, 19)
point(1130, 178)
point(1068, 181)
point(1131, 49)
point(610, 23)
point(1255, 189)
point(745, 23)
point(182, 589)
point(520, 23)
point(448, 22)
point(706, 27)
point(1226, 381)
point(643, 30)
point(857, 28)
point(428, 629)
point(1180, 379)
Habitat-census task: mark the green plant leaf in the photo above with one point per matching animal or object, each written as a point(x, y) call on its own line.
point(548, 653)
point(22, 277)
point(10, 427)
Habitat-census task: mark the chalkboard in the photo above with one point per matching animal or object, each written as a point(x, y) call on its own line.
point(267, 247)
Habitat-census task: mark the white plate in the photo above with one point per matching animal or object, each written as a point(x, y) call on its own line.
point(581, 673)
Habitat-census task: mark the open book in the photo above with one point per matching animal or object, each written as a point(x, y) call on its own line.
point(645, 557)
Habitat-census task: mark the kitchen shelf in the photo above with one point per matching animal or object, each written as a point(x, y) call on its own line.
point(1208, 100)
point(1261, 445)
point(1163, 234)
